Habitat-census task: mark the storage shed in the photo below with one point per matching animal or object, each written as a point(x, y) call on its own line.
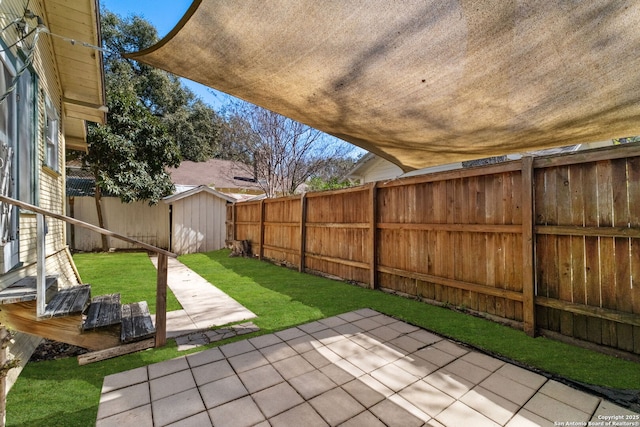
point(197, 220)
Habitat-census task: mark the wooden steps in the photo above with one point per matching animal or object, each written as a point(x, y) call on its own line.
point(25, 290)
point(136, 322)
point(104, 310)
point(68, 301)
point(71, 316)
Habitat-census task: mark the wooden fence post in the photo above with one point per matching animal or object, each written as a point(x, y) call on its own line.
point(373, 242)
point(161, 301)
point(528, 251)
point(303, 230)
point(261, 251)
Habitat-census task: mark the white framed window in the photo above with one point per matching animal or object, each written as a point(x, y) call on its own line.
point(52, 131)
point(9, 241)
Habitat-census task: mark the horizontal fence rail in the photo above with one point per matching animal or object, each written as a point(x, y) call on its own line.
point(550, 243)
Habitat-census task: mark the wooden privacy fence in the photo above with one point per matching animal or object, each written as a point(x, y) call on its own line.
point(551, 242)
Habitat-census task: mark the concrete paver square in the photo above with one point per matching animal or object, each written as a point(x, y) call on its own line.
point(416, 366)
point(200, 419)
point(394, 377)
point(367, 361)
point(277, 399)
point(124, 379)
point(312, 384)
point(167, 367)
point(393, 415)
point(265, 340)
point(363, 419)
point(351, 316)
point(554, 410)
point(279, 351)
point(572, 397)
point(482, 360)
point(376, 385)
point(510, 390)
point(427, 398)
point(222, 391)
point(303, 343)
point(313, 327)
point(123, 399)
point(451, 348)
point(349, 367)
point(136, 417)
point(460, 414)
point(403, 327)
point(212, 371)
point(301, 415)
point(345, 348)
point(385, 333)
point(387, 351)
point(260, 378)
point(327, 336)
point(176, 407)
point(490, 404)
point(247, 361)
point(406, 343)
point(333, 321)
point(238, 413)
point(347, 330)
point(316, 358)
point(336, 406)
point(409, 407)
point(293, 366)
point(470, 372)
point(235, 348)
point(426, 338)
point(522, 376)
point(435, 356)
point(525, 418)
point(363, 393)
point(336, 374)
point(366, 324)
point(204, 357)
point(290, 334)
point(171, 384)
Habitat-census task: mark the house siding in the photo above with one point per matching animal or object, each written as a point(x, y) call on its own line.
point(49, 184)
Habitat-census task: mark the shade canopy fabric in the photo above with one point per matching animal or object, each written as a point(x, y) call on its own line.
point(422, 82)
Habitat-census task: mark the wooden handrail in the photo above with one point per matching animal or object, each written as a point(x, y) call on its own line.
point(83, 224)
point(161, 285)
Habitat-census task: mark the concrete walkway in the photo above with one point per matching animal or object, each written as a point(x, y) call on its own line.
point(203, 307)
point(361, 368)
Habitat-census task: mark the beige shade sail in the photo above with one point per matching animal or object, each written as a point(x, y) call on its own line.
point(424, 82)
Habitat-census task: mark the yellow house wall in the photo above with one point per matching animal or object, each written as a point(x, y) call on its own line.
point(50, 184)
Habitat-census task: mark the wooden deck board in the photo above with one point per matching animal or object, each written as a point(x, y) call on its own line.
point(68, 301)
point(24, 290)
point(136, 322)
point(104, 310)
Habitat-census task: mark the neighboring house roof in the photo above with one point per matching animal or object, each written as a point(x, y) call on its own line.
point(195, 190)
point(224, 175)
point(372, 168)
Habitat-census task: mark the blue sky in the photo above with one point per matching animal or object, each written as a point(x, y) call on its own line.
point(164, 15)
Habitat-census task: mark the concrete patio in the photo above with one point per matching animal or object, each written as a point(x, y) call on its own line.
point(360, 368)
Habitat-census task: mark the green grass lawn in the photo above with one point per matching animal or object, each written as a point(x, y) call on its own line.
point(130, 273)
point(61, 393)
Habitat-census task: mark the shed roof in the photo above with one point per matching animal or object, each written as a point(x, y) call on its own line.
point(197, 190)
point(418, 82)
